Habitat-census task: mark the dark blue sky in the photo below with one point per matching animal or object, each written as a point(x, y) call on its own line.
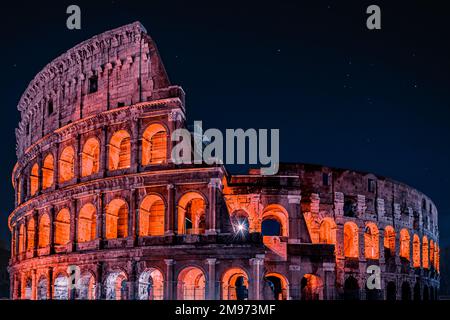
point(340, 94)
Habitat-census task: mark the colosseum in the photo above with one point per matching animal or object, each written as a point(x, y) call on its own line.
point(102, 212)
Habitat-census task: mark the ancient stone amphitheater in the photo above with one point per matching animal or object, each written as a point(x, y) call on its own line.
point(103, 213)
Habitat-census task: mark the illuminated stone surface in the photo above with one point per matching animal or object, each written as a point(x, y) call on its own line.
point(95, 187)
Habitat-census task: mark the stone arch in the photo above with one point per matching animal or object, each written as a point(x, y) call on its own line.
point(311, 287)
point(90, 157)
point(62, 227)
point(240, 223)
point(416, 251)
point(67, 164)
point(151, 285)
point(86, 287)
point(327, 231)
point(48, 171)
point(351, 241)
point(235, 284)
point(42, 288)
point(151, 216)
point(116, 285)
point(425, 257)
point(405, 244)
point(120, 150)
point(191, 213)
point(391, 291)
point(117, 219)
point(389, 242)
point(34, 179)
point(431, 253)
point(31, 231)
point(351, 289)
point(406, 291)
point(371, 241)
point(28, 290)
point(87, 223)
point(44, 231)
point(275, 213)
point(191, 284)
point(61, 288)
point(276, 287)
point(154, 145)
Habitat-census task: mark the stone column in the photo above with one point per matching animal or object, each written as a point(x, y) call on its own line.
point(99, 282)
point(56, 167)
point(134, 156)
point(175, 118)
point(296, 232)
point(211, 221)
point(77, 161)
point(132, 281)
point(255, 292)
point(50, 284)
point(36, 233)
point(212, 294)
point(100, 217)
point(134, 212)
point(73, 225)
point(33, 285)
point(52, 229)
point(104, 151)
point(39, 161)
point(169, 284)
point(170, 214)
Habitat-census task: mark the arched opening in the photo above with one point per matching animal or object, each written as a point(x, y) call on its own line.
point(116, 286)
point(371, 242)
point(425, 258)
point(426, 296)
point(373, 294)
point(67, 165)
point(312, 287)
point(275, 287)
point(351, 244)
point(34, 179)
point(44, 231)
point(275, 221)
point(42, 289)
point(62, 227)
point(22, 238)
point(351, 289)
point(404, 244)
point(191, 214)
point(327, 231)
point(90, 158)
point(28, 289)
point(151, 285)
point(235, 284)
point(61, 288)
point(87, 223)
point(389, 242)
point(30, 234)
point(406, 291)
point(191, 284)
point(416, 251)
point(417, 293)
point(86, 287)
point(117, 219)
point(154, 145)
point(151, 216)
point(48, 172)
point(120, 151)
point(391, 291)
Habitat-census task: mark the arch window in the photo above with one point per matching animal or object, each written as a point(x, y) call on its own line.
point(416, 251)
point(151, 216)
point(34, 179)
point(191, 284)
point(371, 242)
point(404, 244)
point(48, 172)
point(154, 145)
point(67, 165)
point(62, 227)
point(120, 151)
point(151, 285)
point(389, 242)
point(327, 231)
point(191, 214)
point(44, 231)
point(90, 158)
point(30, 234)
point(351, 243)
point(235, 285)
point(87, 223)
point(425, 257)
point(117, 219)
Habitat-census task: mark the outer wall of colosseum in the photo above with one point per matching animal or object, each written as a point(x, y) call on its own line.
point(96, 189)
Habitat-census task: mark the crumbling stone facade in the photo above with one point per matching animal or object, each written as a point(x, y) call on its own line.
point(103, 213)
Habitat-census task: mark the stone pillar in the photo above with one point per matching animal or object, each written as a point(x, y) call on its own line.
point(329, 282)
point(50, 284)
point(100, 218)
point(36, 233)
point(212, 219)
point(13, 286)
point(104, 151)
point(134, 156)
point(56, 167)
point(33, 285)
point(169, 284)
point(39, 161)
point(99, 282)
point(212, 294)
point(297, 234)
point(255, 292)
point(175, 118)
point(73, 225)
point(132, 281)
point(170, 219)
point(77, 161)
point(134, 213)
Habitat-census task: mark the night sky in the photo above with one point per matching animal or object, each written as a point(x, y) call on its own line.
point(341, 95)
